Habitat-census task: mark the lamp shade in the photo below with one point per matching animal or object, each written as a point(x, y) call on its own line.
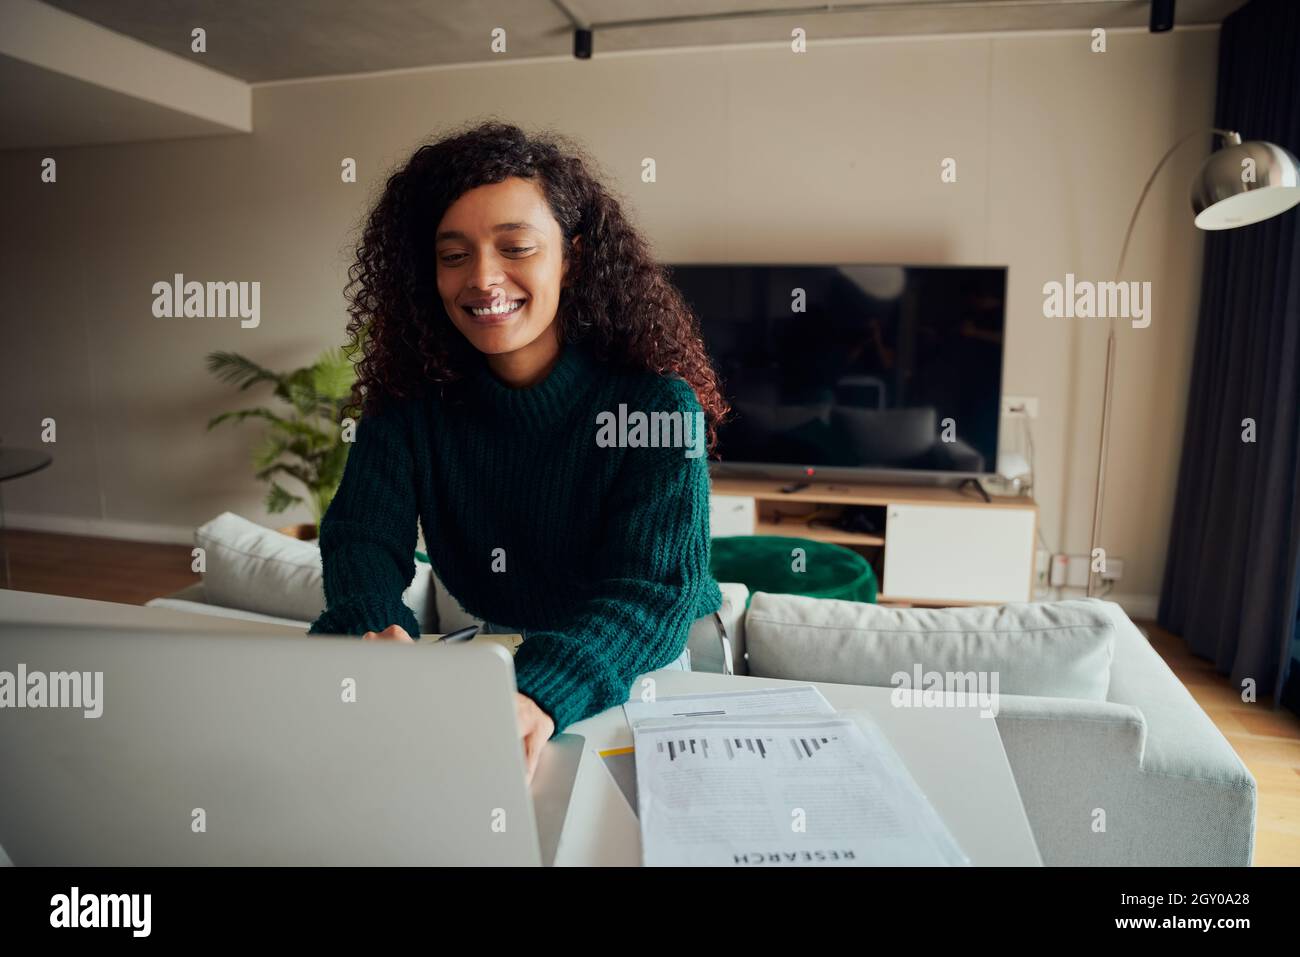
point(1230, 192)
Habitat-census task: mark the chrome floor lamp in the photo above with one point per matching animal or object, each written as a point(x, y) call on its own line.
point(1239, 184)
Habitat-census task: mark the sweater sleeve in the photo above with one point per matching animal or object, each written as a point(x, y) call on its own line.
point(368, 534)
point(654, 579)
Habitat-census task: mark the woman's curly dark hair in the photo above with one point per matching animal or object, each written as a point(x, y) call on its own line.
point(619, 300)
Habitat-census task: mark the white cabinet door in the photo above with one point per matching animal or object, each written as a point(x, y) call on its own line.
point(731, 515)
point(958, 553)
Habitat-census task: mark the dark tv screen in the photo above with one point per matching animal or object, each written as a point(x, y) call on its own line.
point(854, 367)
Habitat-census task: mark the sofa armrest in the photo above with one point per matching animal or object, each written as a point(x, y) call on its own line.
point(1084, 773)
point(717, 641)
point(1115, 733)
point(1182, 738)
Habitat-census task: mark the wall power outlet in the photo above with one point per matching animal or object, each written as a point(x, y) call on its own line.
point(1069, 571)
point(1114, 570)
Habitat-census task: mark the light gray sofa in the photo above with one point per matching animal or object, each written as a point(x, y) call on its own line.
point(1173, 791)
point(705, 640)
point(258, 574)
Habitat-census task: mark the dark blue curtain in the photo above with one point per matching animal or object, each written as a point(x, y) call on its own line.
point(1232, 574)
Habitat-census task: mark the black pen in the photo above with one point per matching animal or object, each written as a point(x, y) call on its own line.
point(462, 634)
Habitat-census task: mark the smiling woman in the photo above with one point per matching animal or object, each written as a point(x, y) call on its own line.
point(500, 282)
point(504, 306)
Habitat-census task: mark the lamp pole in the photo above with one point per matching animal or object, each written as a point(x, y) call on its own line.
point(1231, 138)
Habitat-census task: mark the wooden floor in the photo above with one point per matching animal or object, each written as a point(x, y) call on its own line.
point(106, 569)
point(1268, 741)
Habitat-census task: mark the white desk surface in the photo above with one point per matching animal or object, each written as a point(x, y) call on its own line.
point(955, 755)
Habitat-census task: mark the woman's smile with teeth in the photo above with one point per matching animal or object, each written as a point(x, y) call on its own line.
point(501, 309)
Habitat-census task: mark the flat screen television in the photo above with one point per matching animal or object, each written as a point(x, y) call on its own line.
point(854, 371)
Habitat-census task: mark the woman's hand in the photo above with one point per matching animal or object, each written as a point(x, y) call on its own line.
point(391, 633)
point(535, 727)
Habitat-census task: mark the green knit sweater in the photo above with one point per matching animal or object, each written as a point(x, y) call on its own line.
point(597, 552)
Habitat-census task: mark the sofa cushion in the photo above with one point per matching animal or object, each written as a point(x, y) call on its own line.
point(254, 568)
point(1059, 649)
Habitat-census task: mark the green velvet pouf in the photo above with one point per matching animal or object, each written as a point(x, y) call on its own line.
point(769, 563)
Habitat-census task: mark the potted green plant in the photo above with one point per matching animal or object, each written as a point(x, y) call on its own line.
point(306, 441)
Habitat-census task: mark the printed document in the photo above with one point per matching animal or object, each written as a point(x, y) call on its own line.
point(803, 699)
point(782, 790)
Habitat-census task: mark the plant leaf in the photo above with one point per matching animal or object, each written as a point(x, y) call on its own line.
point(332, 377)
point(238, 370)
point(306, 443)
point(278, 499)
point(266, 454)
point(243, 414)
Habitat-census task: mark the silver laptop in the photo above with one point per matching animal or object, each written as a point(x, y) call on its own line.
point(224, 749)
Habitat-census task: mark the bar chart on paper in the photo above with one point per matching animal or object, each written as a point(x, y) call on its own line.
point(739, 748)
point(711, 789)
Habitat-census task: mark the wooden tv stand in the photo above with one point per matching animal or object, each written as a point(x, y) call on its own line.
point(933, 545)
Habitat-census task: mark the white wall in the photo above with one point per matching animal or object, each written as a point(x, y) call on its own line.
point(763, 155)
